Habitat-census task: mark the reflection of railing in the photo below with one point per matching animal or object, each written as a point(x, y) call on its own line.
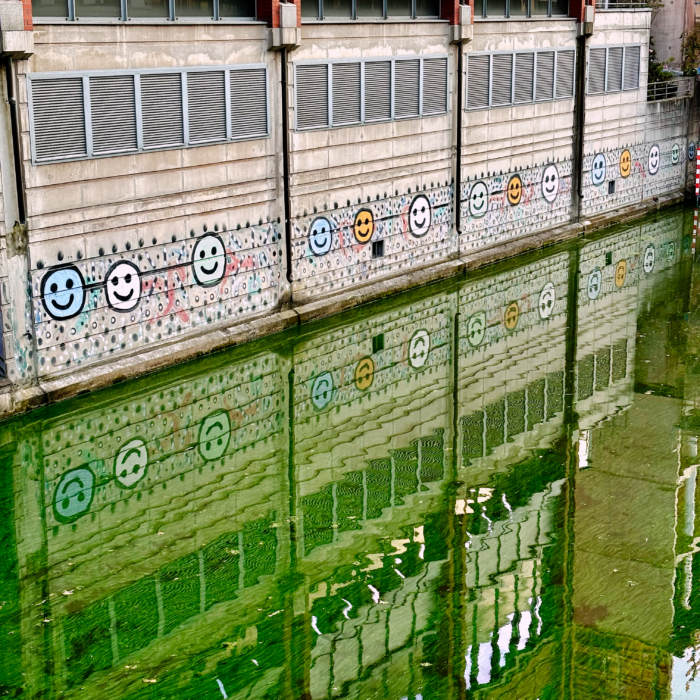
point(621, 5)
point(676, 89)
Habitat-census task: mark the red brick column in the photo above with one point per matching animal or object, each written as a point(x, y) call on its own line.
point(449, 10)
point(27, 8)
point(269, 11)
point(576, 8)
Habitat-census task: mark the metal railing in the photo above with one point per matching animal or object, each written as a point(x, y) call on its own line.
point(676, 89)
point(620, 5)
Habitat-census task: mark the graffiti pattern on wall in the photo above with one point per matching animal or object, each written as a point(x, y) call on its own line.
point(87, 308)
point(339, 247)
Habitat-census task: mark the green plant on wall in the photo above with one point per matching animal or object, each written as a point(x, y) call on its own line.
point(691, 51)
point(657, 72)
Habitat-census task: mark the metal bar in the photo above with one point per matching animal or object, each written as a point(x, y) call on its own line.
point(87, 110)
point(139, 112)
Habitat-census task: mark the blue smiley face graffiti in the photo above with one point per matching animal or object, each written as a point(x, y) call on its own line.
point(73, 495)
point(691, 151)
point(598, 169)
point(320, 236)
point(63, 292)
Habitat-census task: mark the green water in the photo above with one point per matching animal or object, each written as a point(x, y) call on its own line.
point(482, 489)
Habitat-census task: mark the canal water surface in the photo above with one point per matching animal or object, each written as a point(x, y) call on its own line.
point(481, 489)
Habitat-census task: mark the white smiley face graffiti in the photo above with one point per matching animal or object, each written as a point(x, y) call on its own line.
point(322, 390)
point(479, 200)
point(675, 153)
point(419, 216)
point(595, 284)
point(550, 183)
point(209, 260)
point(548, 296)
point(214, 435)
point(63, 292)
point(320, 236)
point(649, 258)
point(131, 463)
point(598, 169)
point(476, 329)
point(123, 286)
point(419, 349)
point(654, 159)
point(73, 495)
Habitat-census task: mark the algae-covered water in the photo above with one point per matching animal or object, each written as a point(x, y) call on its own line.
point(481, 489)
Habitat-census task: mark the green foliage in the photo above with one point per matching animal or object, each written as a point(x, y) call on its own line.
point(657, 72)
point(691, 51)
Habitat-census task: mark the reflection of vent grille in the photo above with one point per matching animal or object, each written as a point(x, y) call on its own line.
point(346, 93)
point(585, 377)
point(312, 96)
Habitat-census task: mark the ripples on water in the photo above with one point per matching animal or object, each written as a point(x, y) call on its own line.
point(481, 489)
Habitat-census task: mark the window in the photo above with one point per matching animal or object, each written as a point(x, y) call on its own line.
point(613, 69)
point(111, 113)
point(501, 79)
point(143, 9)
point(521, 8)
point(367, 9)
point(338, 93)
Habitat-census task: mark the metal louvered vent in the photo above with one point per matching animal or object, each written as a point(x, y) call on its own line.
point(206, 105)
point(347, 100)
point(614, 70)
point(632, 54)
point(248, 103)
point(434, 85)
point(312, 96)
point(596, 71)
point(544, 86)
point(161, 107)
point(406, 88)
point(58, 118)
point(565, 74)
point(478, 82)
point(502, 79)
point(524, 77)
point(378, 86)
point(113, 110)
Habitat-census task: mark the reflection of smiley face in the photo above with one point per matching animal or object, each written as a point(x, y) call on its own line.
point(625, 163)
point(595, 284)
point(675, 153)
point(620, 273)
point(419, 216)
point(476, 329)
point(130, 463)
point(598, 169)
point(649, 258)
point(63, 292)
point(123, 286)
point(670, 251)
point(320, 236)
point(515, 190)
point(322, 390)
point(209, 260)
point(418, 349)
point(547, 298)
point(691, 151)
point(479, 200)
point(364, 373)
point(550, 183)
point(214, 435)
point(654, 159)
point(73, 495)
point(511, 315)
point(364, 225)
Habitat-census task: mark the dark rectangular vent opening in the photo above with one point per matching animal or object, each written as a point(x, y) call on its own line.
point(378, 340)
point(377, 249)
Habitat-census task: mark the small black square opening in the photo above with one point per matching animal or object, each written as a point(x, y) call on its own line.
point(611, 187)
point(608, 258)
point(377, 249)
point(378, 343)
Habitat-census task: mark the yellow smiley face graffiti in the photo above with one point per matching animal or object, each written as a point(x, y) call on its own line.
point(511, 315)
point(625, 163)
point(363, 227)
point(514, 192)
point(364, 373)
point(620, 273)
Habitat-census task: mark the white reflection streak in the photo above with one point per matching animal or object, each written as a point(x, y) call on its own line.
point(507, 505)
point(584, 445)
point(484, 662)
point(538, 604)
point(468, 668)
point(222, 689)
point(524, 628)
point(375, 594)
point(314, 625)
point(505, 634)
point(348, 609)
point(486, 518)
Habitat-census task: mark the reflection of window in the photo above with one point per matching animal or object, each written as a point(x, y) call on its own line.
point(368, 9)
point(521, 8)
point(145, 9)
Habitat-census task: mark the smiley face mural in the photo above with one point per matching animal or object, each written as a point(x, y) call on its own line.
point(73, 495)
point(419, 216)
point(514, 191)
point(620, 273)
point(595, 284)
point(598, 169)
point(123, 286)
point(675, 153)
point(548, 296)
point(214, 435)
point(511, 316)
point(320, 236)
point(476, 329)
point(322, 390)
point(479, 200)
point(691, 151)
point(63, 292)
point(131, 463)
point(625, 163)
point(364, 373)
point(419, 349)
point(649, 258)
point(550, 183)
point(654, 159)
point(209, 260)
point(363, 228)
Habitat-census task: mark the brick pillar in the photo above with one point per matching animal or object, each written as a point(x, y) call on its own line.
point(449, 10)
point(27, 12)
point(269, 11)
point(576, 8)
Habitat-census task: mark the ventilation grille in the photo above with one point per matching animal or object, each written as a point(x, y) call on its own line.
point(434, 85)
point(346, 93)
point(524, 77)
point(248, 103)
point(478, 82)
point(565, 74)
point(59, 118)
point(113, 110)
point(545, 75)
point(614, 70)
point(161, 106)
point(378, 86)
point(312, 96)
point(502, 80)
point(206, 106)
point(406, 89)
point(632, 54)
point(596, 71)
